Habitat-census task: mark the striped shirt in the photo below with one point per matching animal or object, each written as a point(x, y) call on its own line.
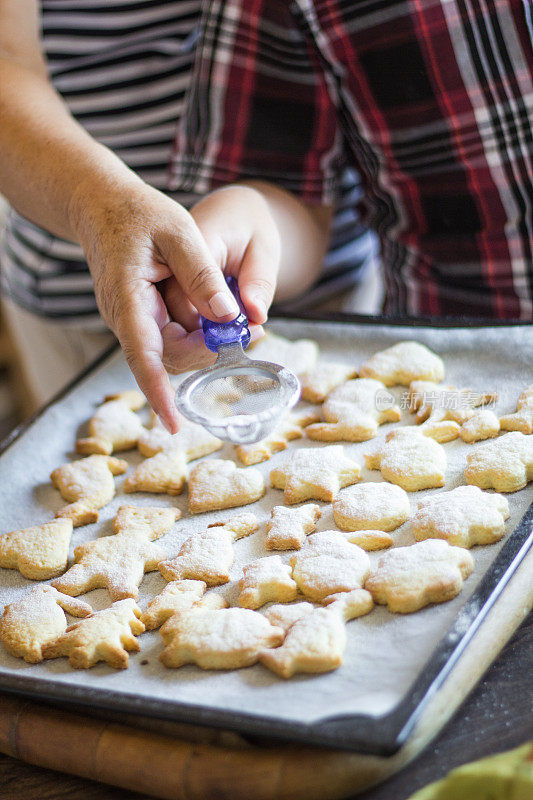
point(432, 100)
point(123, 69)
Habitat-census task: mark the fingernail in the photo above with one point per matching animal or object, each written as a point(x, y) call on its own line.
point(222, 304)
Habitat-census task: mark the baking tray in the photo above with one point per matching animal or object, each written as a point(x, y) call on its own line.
point(469, 346)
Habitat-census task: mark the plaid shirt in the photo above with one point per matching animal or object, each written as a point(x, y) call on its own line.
point(431, 100)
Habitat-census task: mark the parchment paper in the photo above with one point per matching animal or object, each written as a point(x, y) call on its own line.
point(385, 652)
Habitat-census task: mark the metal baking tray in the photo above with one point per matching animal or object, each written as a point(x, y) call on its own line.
point(469, 349)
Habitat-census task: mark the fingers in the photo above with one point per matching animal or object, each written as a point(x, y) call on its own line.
point(179, 307)
point(183, 351)
point(257, 279)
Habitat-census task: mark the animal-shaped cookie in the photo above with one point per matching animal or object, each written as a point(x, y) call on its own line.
point(208, 555)
point(299, 356)
point(87, 485)
point(164, 473)
point(106, 635)
point(522, 419)
point(403, 363)
point(284, 615)
point(465, 516)
point(505, 464)
point(227, 638)
point(315, 474)
point(266, 580)
point(116, 563)
point(215, 484)
point(410, 459)
point(37, 619)
point(287, 528)
point(353, 412)
point(330, 564)
point(326, 376)
point(191, 440)
point(291, 427)
point(443, 410)
point(409, 578)
point(115, 426)
point(152, 521)
point(316, 641)
point(39, 552)
point(179, 596)
point(381, 506)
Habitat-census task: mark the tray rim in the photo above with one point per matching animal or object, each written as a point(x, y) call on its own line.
point(380, 735)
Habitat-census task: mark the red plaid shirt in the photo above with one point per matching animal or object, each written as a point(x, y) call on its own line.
point(431, 100)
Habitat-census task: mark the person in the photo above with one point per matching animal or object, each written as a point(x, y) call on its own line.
point(432, 102)
point(90, 95)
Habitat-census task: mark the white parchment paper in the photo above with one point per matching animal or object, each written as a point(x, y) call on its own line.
point(385, 652)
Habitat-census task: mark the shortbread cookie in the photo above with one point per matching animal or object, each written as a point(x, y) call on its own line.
point(506, 464)
point(522, 419)
point(291, 427)
point(482, 425)
point(215, 484)
point(227, 638)
point(106, 635)
point(266, 580)
point(191, 440)
point(87, 485)
point(328, 565)
point(115, 426)
point(353, 413)
point(299, 356)
point(36, 620)
point(403, 363)
point(439, 406)
point(379, 506)
point(411, 459)
point(284, 615)
point(164, 473)
point(288, 527)
point(326, 376)
point(371, 540)
point(315, 474)
point(116, 563)
point(178, 596)
point(409, 578)
point(208, 555)
point(151, 521)
point(38, 553)
point(465, 516)
point(316, 641)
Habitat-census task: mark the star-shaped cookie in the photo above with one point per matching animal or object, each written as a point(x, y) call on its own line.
point(287, 528)
point(39, 552)
point(403, 363)
point(216, 484)
point(522, 419)
point(115, 426)
point(411, 459)
point(330, 564)
point(505, 464)
point(87, 485)
point(315, 474)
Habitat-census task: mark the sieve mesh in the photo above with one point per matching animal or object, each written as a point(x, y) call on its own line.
point(241, 393)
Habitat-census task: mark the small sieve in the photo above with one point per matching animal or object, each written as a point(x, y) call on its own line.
point(237, 399)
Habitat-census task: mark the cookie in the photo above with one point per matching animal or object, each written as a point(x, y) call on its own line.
point(151, 521)
point(191, 440)
point(482, 425)
point(330, 564)
point(506, 464)
point(380, 506)
point(315, 474)
point(326, 376)
point(403, 363)
point(439, 406)
point(291, 427)
point(522, 419)
point(115, 426)
point(87, 485)
point(410, 459)
point(353, 412)
point(409, 578)
point(216, 484)
point(266, 580)
point(287, 528)
point(106, 635)
point(228, 638)
point(284, 615)
point(39, 552)
point(116, 563)
point(299, 356)
point(208, 556)
point(178, 596)
point(465, 516)
point(371, 540)
point(36, 620)
point(164, 473)
point(316, 641)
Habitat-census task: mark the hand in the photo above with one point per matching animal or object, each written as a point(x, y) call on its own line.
point(138, 241)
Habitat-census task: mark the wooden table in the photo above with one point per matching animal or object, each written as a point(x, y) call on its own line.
point(497, 716)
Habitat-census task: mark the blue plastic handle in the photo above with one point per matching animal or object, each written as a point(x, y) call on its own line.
point(218, 333)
